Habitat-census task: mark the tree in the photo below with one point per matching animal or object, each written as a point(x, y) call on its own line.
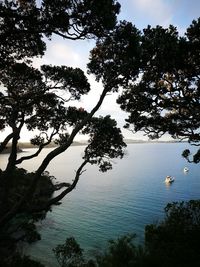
point(41, 99)
point(69, 254)
point(175, 241)
point(122, 252)
point(159, 73)
point(165, 98)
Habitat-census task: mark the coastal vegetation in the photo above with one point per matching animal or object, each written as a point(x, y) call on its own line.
point(156, 73)
point(22, 228)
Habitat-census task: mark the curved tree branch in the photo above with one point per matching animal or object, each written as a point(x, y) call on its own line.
point(64, 192)
point(10, 214)
point(13, 155)
point(76, 37)
point(19, 161)
point(5, 142)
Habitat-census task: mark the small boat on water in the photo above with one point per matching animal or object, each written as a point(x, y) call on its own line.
point(186, 169)
point(169, 179)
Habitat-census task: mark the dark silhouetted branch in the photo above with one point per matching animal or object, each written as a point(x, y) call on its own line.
point(5, 142)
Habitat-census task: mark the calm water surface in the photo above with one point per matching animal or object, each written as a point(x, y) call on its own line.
point(124, 200)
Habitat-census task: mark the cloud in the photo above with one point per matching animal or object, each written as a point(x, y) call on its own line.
point(64, 55)
point(156, 11)
point(145, 12)
point(62, 52)
point(59, 54)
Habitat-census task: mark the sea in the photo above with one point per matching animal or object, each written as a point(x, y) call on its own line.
point(105, 206)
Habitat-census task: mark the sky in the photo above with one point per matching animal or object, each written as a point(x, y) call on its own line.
point(141, 13)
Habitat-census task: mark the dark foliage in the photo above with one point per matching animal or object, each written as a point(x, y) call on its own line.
point(69, 254)
point(175, 241)
point(22, 261)
point(165, 98)
point(22, 227)
point(105, 142)
point(116, 59)
point(159, 73)
point(24, 23)
point(122, 253)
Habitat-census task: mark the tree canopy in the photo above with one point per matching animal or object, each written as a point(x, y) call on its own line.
point(25, 23)
point(165, 98)
point(159, 73)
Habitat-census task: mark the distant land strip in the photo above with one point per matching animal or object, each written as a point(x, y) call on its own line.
point(25, 145)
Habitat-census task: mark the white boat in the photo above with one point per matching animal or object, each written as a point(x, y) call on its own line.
point(169, 179)
point(186, 169)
